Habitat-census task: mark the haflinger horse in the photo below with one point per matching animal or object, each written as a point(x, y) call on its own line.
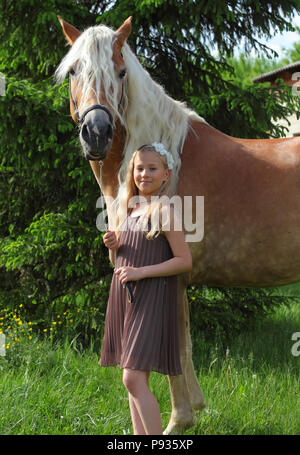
point(251, 187)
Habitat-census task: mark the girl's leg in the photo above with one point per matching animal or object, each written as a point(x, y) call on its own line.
point(138, 427)
point(146, 405)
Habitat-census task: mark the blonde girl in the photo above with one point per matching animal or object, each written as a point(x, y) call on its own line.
point(141, 325)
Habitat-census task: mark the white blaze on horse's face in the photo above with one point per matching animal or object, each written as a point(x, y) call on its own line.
point(97, 72)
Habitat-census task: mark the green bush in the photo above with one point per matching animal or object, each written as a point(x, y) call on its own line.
point(52, 258)
point(222, 313)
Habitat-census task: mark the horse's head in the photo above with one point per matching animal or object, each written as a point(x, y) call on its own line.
point(96, 80)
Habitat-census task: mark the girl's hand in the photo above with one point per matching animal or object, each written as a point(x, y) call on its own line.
point(110, 240)
point(127, 273)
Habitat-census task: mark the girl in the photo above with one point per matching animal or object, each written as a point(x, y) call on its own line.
point(141, 327)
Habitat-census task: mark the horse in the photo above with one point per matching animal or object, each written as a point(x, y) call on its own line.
point(250, 186)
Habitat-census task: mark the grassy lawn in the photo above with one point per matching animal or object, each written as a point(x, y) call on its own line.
point(250, 386)
point(253, 388)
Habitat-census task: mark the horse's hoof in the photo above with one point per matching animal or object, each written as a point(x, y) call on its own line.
point(179, 427)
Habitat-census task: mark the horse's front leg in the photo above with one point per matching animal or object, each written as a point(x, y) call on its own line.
point(195, 392)
point(182, 415)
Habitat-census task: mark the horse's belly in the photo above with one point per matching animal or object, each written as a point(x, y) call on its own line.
point(250, 258)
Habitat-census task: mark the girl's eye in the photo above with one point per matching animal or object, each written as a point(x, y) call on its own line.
point(122, 73)
point(152, 168)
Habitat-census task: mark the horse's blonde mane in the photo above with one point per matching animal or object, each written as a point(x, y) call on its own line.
point(152, 116)
point(148, 113)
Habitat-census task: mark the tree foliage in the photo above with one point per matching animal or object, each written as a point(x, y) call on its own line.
point(292, 54)
point(51, 254)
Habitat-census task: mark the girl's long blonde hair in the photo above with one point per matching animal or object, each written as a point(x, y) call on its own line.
point(128, 196)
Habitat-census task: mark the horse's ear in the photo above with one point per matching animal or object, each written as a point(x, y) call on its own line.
point(122, 34)
point(70, 32)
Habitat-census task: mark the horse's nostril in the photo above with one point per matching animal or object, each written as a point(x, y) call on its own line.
point(109, 132)
point(85, 133)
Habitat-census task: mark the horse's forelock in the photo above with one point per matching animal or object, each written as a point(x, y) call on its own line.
point(92, 55)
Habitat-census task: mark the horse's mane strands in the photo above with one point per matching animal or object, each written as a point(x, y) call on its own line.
point(152, 116)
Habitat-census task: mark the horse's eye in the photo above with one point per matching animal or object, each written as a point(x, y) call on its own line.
point(122, 73)
point(72, 71)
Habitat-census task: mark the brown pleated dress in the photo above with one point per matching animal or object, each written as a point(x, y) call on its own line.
point(142, 334)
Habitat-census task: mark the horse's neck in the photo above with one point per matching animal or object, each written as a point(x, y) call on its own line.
point(112, 163)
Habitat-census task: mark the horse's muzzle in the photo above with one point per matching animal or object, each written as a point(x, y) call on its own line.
point(96, 135)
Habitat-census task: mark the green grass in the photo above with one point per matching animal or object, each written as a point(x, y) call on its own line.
point(250, 386)
point(253, 388)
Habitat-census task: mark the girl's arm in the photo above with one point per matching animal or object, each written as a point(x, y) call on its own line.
point(111, 254)
point(180, 263)
point(182, 260)
point(111, 242)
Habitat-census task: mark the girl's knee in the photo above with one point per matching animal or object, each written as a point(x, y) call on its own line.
point(135, 380)
point(128, 380)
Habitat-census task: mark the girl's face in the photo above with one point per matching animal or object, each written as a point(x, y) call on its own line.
point(149, 172)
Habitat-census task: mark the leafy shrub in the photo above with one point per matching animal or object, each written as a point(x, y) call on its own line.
point(222, 313)
point(52, 258)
